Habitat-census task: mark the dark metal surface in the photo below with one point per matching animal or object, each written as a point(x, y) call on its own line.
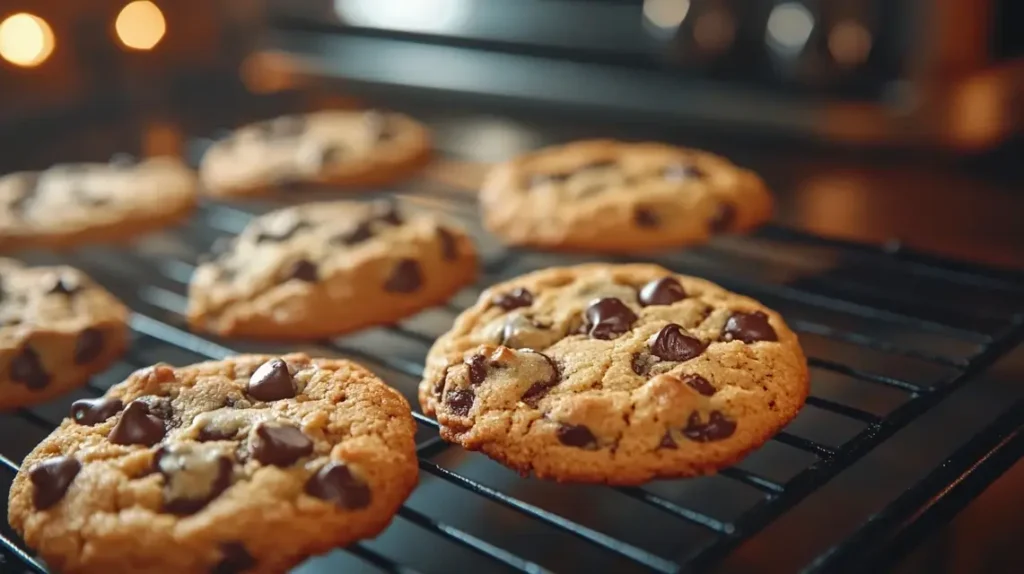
point(912, 408)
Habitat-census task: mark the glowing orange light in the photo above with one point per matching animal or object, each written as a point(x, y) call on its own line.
point(25, 40)
point(140, 25)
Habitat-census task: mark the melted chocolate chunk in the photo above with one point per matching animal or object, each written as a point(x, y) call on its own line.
point(518, 297)
point(303, 270)
point(449, 245)
point(285, 234)
point(88, 346)
point(724, 218)
point(406, 277)
point(271, 382)
point(89, 412)
point(682, 172)
point(27, 369)
point(672, 343)
point(51, 479)
point(578, 436)
point(138, 425)
point(667, 441)
point(639, 364)
point(460, 401)
point(336, 483)
point(64, 286)
point(717, 428)
point(645, 217)
point(608, 318)
point(279, 445)
point(748, 327)
point(361, 232)
point(235, 559)
point(194, 475)
point(699, 384)
point(664, 291)
point(477, 369)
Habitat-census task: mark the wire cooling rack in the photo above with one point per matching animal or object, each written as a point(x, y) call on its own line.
point(889, 336)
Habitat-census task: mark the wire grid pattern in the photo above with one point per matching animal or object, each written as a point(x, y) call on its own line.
point(877, 323)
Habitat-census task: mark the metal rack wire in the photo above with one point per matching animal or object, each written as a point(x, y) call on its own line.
point(881, 356)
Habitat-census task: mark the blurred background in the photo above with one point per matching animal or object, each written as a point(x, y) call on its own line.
point(897, 123)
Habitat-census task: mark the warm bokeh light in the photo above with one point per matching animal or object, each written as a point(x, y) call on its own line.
point(850, 43)
point(25, 40)
point(140, 25)
point(667, 14)
point(789, 27)
point(714, 30)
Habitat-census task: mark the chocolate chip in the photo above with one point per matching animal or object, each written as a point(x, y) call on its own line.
point(51, 479)
point(748, 327)
point(449, 245)
point(639, 364)
point(405, 278)
point(667, 441)
point(193, 475)
point(717, 428)
point(235, 559)
point(88, 346)
point(271, 382)
point(672, 343)
point(724, 218)
point(362, 232)
point(279, 445)
point(386, 211)
point(540, 389)
point(284, 235)
point(303, 270)
point(682, 172)
point(608, 318)
point(477, 369)
point(64, 286)
point(699, 384)
point(460, 401)
point(576, 435)
point(518, 297)
point(664, 291)
point(336, 483)
point(645, 217)
point(27, 368)
point(89, 412)
point(138, 425)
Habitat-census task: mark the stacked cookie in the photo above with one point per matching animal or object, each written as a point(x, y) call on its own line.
point(602, 373)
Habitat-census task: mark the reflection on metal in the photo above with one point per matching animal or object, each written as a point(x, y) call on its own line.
point(849, 42)
point(140, 25)
point(429, 16)
point(789, 27)
point(666, 14)
point(26, 40)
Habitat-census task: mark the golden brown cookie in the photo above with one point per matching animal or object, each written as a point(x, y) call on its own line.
point(322, 269)
point(71, 204)
point(338, 147)
point(249, 464)
point(614, 374)
point(615, 197)
point(57, 328)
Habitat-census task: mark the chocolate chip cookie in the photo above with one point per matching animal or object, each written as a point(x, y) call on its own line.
point(57, 328)
point(249, 464)
point(338, 147)
point(614, 374)
point(616, 197)
point(322, 269)
point(67, 205)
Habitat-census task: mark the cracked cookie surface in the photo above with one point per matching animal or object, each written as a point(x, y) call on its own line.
point(70, 204)
point(57, 328)
point(249, 464)
point(339, 147)
point(616, 197)
point(614, 374)
point(322, 269)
